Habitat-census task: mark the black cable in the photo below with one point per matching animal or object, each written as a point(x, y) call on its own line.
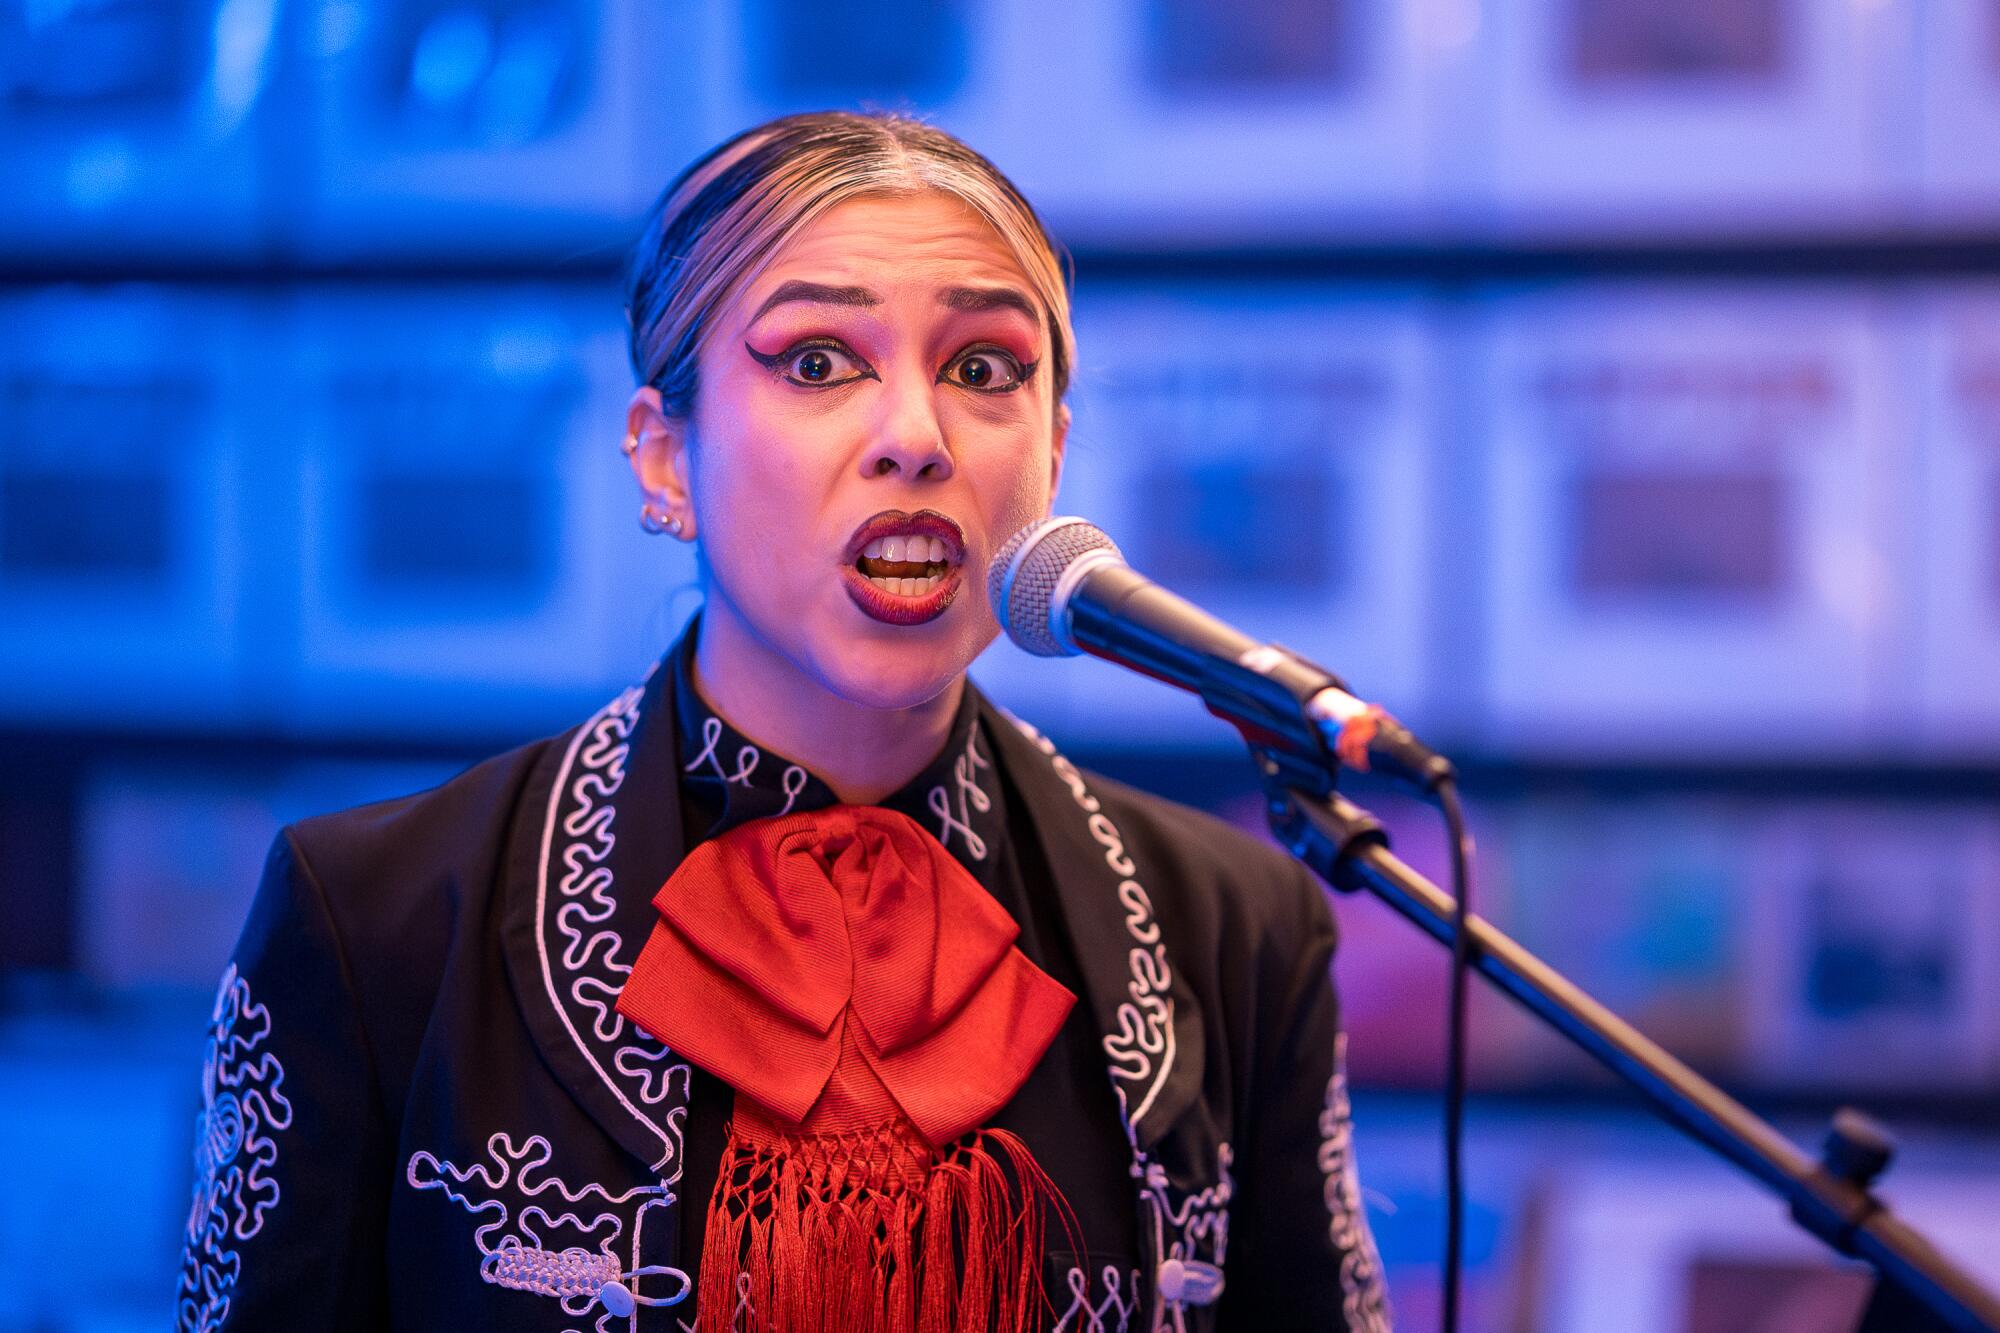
point(1455, 1041)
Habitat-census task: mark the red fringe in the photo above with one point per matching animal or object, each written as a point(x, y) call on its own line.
point(876, 1232)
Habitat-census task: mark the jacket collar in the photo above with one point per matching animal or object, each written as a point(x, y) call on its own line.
point(728, 779)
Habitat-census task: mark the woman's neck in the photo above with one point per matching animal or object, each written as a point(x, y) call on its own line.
point(863, 753)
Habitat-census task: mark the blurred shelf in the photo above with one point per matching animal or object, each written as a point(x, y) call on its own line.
point(1805, 255)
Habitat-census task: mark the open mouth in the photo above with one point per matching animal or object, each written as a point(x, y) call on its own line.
point(905, 568)
point(908, 566)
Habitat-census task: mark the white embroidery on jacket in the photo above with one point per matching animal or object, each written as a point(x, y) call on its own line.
point(711, 736)
point(1142, 1050)
point(235, 1151)
point(748, 756)
point(1109, 1313)
point(586, 973)
point(1363, 1297)
point(526, 1212)
point(793, 780)
point(971, 796)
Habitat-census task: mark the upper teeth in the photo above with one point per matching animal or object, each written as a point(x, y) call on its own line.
point(908, 547)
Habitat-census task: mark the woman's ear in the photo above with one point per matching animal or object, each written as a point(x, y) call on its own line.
point(1056, 453)
point(657, 446)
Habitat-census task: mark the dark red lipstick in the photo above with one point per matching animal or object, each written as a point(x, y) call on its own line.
point(941, 577)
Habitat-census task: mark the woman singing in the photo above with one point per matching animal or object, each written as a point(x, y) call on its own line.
point(800, 987)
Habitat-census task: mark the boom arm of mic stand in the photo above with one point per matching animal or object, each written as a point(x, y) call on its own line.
point(1345, 846)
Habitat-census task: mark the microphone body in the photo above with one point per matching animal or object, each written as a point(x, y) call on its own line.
point(1060, 587)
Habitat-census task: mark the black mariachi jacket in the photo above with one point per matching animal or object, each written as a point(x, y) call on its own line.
point(422, 1110)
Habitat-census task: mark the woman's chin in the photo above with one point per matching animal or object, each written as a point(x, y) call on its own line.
point(890, 673)
point(888, 691)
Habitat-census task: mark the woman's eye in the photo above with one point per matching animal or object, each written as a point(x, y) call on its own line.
point(821, 365)
point(988, 370)
point(815, 365)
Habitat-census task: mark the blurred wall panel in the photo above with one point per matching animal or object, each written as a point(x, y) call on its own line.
point(1207, 121)
point(1961, 113)
point(1878, 960)
point(1644, 1245)
point(939, 59)
point(70, 1089)
point(1687, 531)
point(168, 867)
point(1702, 116)
point(1644, 904)
point(490, 127)
point(125, 414)
point(170, 857)
point(459, 475)
point(1134, 121)
point(1261, 452)
point(132, 128)
point(1957, 522)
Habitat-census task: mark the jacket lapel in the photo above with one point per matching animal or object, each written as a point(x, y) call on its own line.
point(1153, 1030)
point(604, 833)
point(1152, 1026)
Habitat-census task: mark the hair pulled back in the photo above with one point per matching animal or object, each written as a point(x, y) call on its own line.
point(723, 219)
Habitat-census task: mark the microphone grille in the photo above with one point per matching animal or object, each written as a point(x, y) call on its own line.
point(1021, 581)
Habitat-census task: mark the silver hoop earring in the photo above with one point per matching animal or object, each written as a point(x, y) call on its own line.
point(653, 524)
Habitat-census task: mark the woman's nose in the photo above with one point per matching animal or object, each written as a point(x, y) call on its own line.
point(909, 438)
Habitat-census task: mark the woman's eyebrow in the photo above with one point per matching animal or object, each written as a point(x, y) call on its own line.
point(816, 293)
point(987, 298)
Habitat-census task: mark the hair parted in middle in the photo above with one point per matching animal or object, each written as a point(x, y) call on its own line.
point(723, 219)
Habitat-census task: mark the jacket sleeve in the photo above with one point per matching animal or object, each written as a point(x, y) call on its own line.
point(1300, 1251)
point(291, 1151)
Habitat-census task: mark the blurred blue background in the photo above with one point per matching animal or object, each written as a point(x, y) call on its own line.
point(1612, 387)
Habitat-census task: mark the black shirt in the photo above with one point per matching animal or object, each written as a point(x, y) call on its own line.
point(1065, 1112)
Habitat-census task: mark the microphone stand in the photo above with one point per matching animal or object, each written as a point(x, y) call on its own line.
point(1920, 1289)
point(1301, 723)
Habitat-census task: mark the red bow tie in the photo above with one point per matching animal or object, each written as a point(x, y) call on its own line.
point(786, 939)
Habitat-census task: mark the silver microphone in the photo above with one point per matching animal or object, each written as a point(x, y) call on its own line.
point(1060, 587)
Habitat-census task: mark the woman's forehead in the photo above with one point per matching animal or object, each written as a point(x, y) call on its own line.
point(923, 244)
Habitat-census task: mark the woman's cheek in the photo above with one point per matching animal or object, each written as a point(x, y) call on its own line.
point(1014, 467)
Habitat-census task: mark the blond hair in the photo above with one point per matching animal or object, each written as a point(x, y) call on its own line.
point(723, 219)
